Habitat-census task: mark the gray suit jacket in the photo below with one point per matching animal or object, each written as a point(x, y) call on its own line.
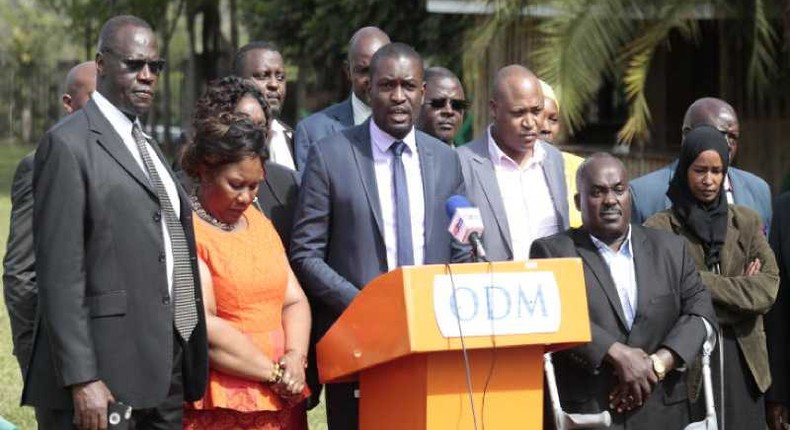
point(337, 245)
point(277, 197)
point(649, 193)
point(104, 307)
point(19, 277)
point(319, 125)
point(482, 189)
point(670, 297)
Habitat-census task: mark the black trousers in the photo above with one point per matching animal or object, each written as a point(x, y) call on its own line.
point(166, 416)
point(342, 407)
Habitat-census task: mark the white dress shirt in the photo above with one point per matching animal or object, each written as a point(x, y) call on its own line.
point(621, 267)
point(279, 151)
point(526, 196)
point(361, 110)
point(123, 126)
point(380, 143)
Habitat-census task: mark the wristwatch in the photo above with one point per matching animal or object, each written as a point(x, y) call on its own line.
point(658, 366)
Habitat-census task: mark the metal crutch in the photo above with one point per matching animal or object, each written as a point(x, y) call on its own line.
point(562, 419)
point(709, 423)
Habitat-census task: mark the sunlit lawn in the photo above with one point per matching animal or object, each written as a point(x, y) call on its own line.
point(10, 379)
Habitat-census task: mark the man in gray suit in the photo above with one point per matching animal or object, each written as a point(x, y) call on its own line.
point(19, 276)
point(649, 311)
point(517, 180)
point(120, 309)
point(372, 199)
point(442, 114)
point(648, 192)
point(352, 111)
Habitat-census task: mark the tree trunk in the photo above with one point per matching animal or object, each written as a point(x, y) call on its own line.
point(234, 26)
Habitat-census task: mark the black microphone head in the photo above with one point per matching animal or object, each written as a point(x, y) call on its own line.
point(455, 202)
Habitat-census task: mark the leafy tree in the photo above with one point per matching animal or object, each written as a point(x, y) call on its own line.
point(585, 42)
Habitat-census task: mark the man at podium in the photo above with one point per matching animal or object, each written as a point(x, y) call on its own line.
point(372, 199)
point(649, 311)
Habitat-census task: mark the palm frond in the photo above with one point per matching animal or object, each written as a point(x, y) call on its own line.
point(638, 55)
point(761, 65)
point(579, 49)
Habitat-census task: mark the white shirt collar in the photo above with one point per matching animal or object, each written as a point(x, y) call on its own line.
point(361, 110)
point(498, 157)
point(382, 140)
point(119, 121)
point(625, 247)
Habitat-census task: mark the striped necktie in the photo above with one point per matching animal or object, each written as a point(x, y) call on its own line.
point(185, 309)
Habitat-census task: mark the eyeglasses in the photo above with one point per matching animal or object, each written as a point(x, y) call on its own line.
point(457, 105)
point(136, 65)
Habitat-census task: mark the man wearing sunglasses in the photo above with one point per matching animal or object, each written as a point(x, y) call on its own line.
point(352, 111)
point(648, 192)
point(516, 179)
point(442, 113)
point(120, 312)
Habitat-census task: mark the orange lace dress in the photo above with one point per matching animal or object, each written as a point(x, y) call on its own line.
point(249, 270)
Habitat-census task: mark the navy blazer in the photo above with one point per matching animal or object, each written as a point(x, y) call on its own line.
point(319, 125)
point(483, 191)
point(337, 243)
point(649, 193)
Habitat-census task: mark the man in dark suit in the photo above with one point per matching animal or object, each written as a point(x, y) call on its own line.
point(648, 192)
point(19, 276)
point(352, 111)
point(649, 311)
point(517, 180)
point(777, 399)
point(372, 199)
point(442, 114)
point(262, 63)
point(120, 310)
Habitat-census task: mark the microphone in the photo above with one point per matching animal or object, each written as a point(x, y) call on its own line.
point(466, 224)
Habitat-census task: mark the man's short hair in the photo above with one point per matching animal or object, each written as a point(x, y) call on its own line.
point(581, 172)
point(394, 50)
point(241, 54)
point(115, 24)
point(437, 72)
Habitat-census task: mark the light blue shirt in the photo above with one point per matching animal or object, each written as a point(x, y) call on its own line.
point(621, 267)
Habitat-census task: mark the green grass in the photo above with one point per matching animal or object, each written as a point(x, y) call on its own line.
point(10, 378)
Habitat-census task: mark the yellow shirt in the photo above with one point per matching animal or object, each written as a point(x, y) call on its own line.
point(572, 163)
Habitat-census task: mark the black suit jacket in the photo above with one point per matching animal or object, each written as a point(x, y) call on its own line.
point(670, 300)
point(104, 307)
point(277, 196)
point(776, 321)
point(19, 276)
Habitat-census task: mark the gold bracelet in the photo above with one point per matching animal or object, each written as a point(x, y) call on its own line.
point(277, 373)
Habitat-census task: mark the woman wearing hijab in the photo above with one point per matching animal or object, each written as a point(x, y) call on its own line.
point(736, 265)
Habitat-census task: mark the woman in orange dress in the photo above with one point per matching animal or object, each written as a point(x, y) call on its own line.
point(257, 316)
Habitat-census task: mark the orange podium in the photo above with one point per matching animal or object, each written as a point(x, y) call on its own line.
point(400, 338)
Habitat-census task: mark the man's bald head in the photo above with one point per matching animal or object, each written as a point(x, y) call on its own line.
point(513, 76)
point(80, 83)
point(517, 111)
point(604, 198)
point(363, 44)
point(715, 113)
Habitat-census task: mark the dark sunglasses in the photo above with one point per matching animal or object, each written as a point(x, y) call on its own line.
point(456, 104)
point(135, 66)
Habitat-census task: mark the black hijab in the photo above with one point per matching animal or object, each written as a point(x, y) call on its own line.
point(708, 221)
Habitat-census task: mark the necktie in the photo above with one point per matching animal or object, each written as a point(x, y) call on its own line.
point(185, 309)
point(402, 215)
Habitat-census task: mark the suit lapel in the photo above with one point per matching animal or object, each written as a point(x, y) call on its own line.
point(363, 158)
point(644, 264)
point(485, 174)
point(345, 115)
point(425, 153)
point(555, 182)
point(109, 139)
point(589, 255)
point(740, 194)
